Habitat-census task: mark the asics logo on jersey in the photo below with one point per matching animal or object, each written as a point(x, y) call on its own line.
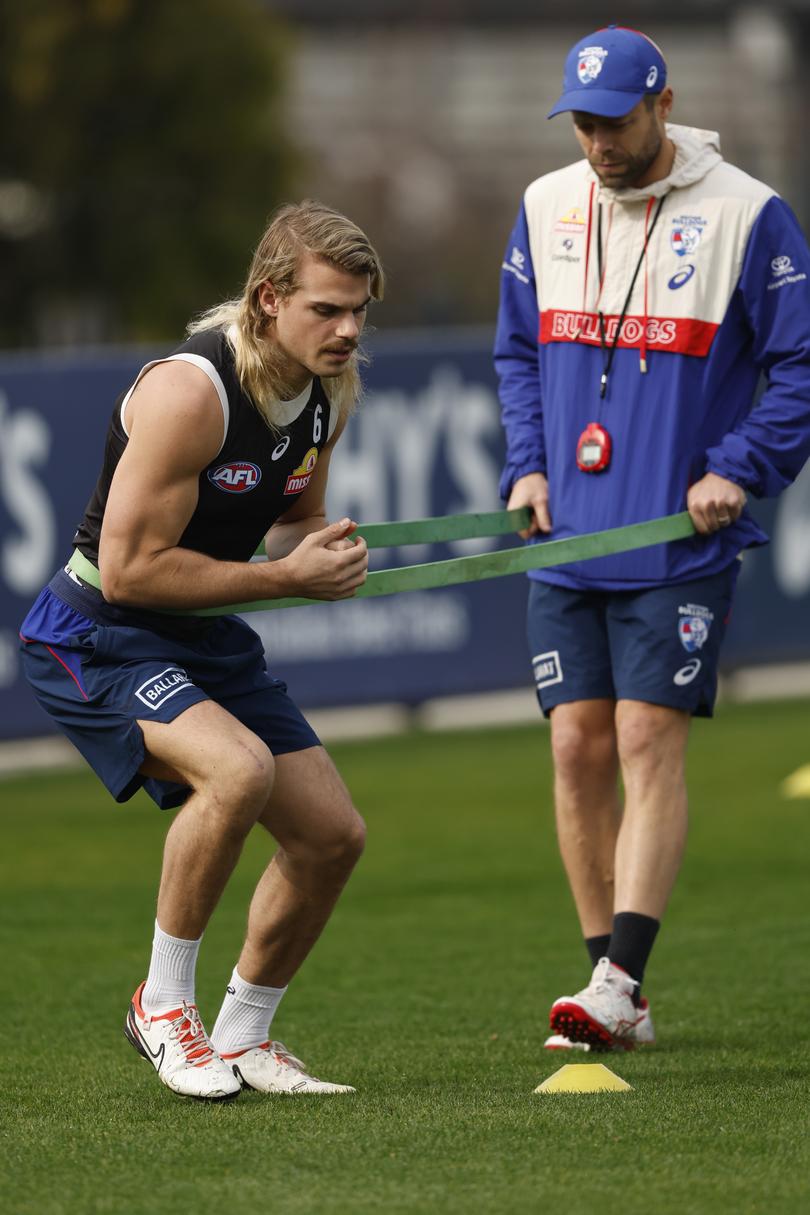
point(681, 278)
point(280, 448)
point(236, 477)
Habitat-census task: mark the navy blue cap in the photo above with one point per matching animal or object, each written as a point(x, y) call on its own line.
point(608, 73)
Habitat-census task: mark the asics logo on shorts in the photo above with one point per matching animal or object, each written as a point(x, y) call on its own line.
point(161, 686)
point(687, 673)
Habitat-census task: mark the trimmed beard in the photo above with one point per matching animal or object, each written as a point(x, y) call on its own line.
point(636, 166)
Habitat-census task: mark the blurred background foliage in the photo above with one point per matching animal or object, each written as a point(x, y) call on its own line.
point(141, 149)
point(144, 142)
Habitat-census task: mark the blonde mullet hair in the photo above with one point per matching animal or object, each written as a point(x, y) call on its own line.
point(294, 229)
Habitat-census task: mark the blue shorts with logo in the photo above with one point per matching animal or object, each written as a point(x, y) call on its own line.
point(660, 645)
point(96, 677)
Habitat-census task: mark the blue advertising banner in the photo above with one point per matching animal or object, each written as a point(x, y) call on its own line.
point(426, 441)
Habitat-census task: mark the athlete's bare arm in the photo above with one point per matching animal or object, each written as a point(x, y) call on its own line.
point(175, 426)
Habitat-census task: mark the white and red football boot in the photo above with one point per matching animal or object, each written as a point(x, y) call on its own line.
point(177, 1046)
point(603, 1016)
point(644, 1034)
point(270, 1068)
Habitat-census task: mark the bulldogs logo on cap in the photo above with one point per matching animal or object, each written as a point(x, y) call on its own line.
point(590, 63)
point(609, 71)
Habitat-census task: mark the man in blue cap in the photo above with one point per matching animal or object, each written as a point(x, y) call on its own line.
point(645, 290)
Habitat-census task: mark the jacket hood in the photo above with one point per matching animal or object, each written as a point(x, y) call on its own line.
point(696, 152)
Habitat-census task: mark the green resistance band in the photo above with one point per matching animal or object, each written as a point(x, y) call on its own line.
point(486, 565)
point(439, 529)
point(460, 569)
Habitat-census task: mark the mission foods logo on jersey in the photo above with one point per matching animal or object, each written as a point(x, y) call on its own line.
point(300, 477)
point(573, 221)
point(236, 477)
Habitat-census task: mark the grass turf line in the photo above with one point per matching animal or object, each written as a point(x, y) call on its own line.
point(430, 992)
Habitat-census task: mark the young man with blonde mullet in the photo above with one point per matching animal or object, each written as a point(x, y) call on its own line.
point(222, 443)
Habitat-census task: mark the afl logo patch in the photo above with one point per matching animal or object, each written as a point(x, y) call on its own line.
point(236, 477)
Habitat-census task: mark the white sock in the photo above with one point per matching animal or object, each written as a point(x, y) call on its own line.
point(171, 972)
point(245, 1016)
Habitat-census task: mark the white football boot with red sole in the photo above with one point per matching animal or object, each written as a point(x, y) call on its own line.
point(602, 1016)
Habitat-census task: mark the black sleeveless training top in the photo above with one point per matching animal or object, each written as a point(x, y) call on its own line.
point(255, 477)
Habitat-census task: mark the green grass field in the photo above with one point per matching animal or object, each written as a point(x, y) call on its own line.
point(430, 992)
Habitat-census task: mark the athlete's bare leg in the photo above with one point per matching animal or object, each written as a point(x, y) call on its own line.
point(652, 750)
point(230, 772)
point(321, 838)
point(298, 797)
point(587, 806)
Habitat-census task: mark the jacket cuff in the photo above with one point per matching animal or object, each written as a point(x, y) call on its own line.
point(715, 463)
point(513, 473)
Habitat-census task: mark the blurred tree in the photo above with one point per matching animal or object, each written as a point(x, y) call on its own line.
point(140, 152)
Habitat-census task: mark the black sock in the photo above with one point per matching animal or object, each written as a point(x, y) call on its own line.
point(631, 943)
point(597, 947)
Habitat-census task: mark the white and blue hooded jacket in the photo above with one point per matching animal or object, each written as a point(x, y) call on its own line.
point(722, 298)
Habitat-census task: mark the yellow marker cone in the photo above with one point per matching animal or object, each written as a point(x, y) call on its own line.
point(797, 784)
point(584, 1078)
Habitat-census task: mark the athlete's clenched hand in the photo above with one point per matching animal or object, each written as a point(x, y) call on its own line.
point(328, 564)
